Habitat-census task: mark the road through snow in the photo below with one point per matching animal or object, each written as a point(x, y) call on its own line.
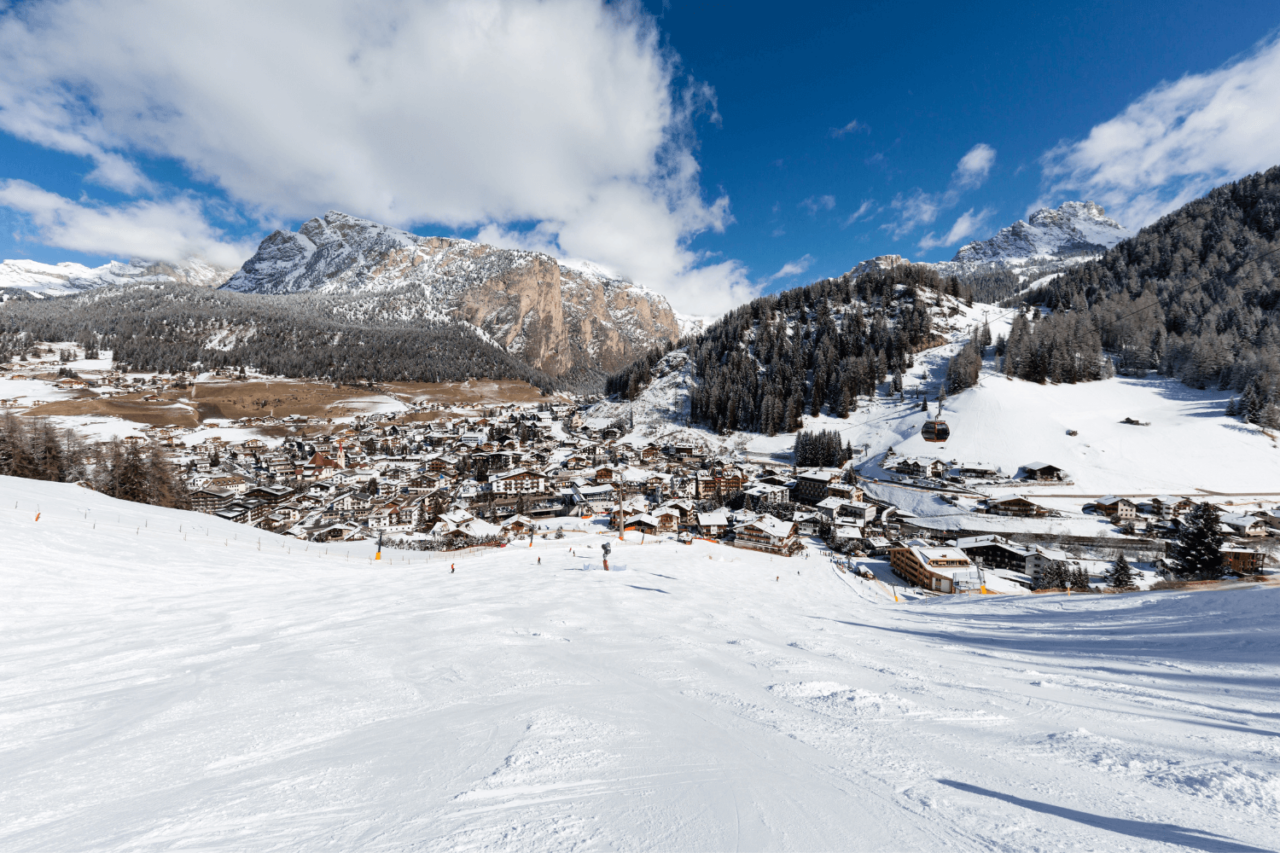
point(161, 689)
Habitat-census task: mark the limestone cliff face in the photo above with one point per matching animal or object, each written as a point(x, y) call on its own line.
point(562, 319)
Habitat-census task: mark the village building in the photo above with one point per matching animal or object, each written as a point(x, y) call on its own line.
point(768, 534)
point(1243, 525)
point(931, 568)
point(1169, 506)
point(1014, 505)
point(1242, 561)
point(978, 470)
point(519, 482)
point(1043, 471)
point(1116, 507)
point(712, 524)
point(811, 488)
point(994, 551)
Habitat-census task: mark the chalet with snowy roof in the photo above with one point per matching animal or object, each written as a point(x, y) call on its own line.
point(342, 531)
point(1242, 561)
point(1041, 558)
point(594, 498)
point(808, 523)
point(211, 500)
point(769, 534)
point(848, 491)
point(519, 482)
point(642, 523)
point(994, 551)
point(1014, 505)
point(769, 493)
point(812, 487)
point(978, 470)
point(920, 467)
point(518, 525)
point(270, 494)
point(231, 482)
point(1170, 506)
point(1116, 507)
point(712, 524)
point(668, 518)
point(1243, 525)
point(931, 568)
point(846, 534)
point(1043, 471)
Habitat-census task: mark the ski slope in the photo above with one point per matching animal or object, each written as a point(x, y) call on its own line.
point(166, 684)
point(1190, 446)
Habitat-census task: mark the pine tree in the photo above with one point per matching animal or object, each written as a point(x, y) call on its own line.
point(1079, 580)
point(1121, 575)
point(1054, 576)
point(1199, 547)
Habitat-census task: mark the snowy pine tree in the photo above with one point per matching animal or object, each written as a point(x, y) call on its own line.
point(1121, 575)
point(1199, 547)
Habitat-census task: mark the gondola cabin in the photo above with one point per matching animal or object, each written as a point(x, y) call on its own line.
point(935, 431)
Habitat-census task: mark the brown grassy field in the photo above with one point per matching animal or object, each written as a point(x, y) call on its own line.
point(230, 400)
point(153, 414)
point(471, 392)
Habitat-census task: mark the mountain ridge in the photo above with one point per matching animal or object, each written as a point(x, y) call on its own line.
point(67, 278)
point(560, 317)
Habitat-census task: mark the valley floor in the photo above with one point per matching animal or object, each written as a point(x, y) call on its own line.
point(166, 684)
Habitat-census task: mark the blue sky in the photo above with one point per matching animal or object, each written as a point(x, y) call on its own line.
point(711, 151)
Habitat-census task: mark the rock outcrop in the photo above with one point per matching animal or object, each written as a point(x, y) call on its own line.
point(560, 318)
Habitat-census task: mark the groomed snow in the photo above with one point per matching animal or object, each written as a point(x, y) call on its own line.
point(162, 689)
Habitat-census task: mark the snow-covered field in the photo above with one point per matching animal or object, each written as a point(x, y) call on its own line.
point(165, 684)
point(1190, 447)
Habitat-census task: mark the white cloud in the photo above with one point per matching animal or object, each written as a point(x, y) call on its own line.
point(1175, 142)
point(965, 226)
point(793, 268)
point(974, 166)
point(865, 210)
point(568, 113)
point(155, 230)
point(854, 126)
point(815, 203)
point(921, 208)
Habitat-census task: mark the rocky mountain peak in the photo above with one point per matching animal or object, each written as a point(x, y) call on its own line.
point(1074, 228)
point(561, 317)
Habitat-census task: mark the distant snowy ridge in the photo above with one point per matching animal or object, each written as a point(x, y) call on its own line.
point(1051, 240)
point(45, 280)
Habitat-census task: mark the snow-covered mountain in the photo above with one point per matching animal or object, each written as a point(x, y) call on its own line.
point(1049, 241)
point(67, 278)
point(560, 317)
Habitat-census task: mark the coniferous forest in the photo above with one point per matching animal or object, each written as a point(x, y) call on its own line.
point(170, 328)
point(1193, 296)
point(763, 366)
point(38, 451)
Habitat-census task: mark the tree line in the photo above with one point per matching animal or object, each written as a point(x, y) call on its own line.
point(174, 327)
point(765, 365)
point(821, 449)
point(41, 452)
point(1194, 296)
